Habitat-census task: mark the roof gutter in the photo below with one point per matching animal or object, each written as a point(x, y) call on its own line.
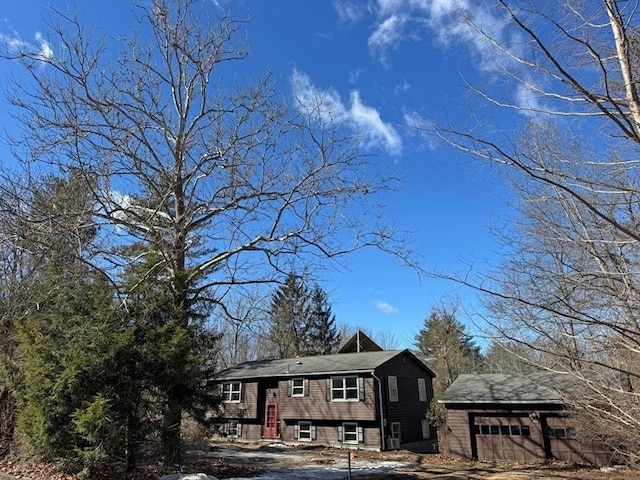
point(291, 374)
point(373, 374)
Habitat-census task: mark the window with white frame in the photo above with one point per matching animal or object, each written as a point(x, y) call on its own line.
point(395, 430)
point(422, 389)
point(344, 389)
point(393, 388)
point(350, 433)
point(298, 387)
point(305, 431)
point(233, 428)
point(231, 392)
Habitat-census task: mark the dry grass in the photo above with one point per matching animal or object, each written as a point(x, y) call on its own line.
point(422, 467)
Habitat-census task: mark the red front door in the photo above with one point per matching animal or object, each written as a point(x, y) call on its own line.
point(271, 421)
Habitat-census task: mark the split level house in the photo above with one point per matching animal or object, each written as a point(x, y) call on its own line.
point(356, 399)
point(523, 418)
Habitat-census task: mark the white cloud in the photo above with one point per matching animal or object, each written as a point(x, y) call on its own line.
point(349, 11)
point(450, 21)
point(387, 35)
point(422, 127)
point(363, 120)
point(14, 45)
point(368, 120)
point(46, 52)
point(386, 307)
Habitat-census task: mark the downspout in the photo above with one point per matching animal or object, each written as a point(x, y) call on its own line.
point(382, 446)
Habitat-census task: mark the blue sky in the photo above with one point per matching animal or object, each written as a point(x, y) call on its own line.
point(389, 65)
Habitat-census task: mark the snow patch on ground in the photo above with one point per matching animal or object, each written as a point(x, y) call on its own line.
point(188, 476)
point(308, 470)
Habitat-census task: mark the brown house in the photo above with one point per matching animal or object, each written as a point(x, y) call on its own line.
point(373, 399)
point(521, 418)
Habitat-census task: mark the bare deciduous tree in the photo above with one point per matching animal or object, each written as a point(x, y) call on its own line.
point(569, 289)
point(223, 182)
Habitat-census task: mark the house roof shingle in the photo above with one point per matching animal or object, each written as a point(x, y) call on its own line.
point(538, 387)
point(341, 363)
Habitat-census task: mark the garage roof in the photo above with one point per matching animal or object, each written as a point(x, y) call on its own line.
point(538, 387)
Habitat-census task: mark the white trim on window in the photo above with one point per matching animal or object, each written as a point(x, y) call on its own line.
point(350, 433)
point(422, 389)
point(298, 387)
point(232, 392)
point(393, 388)
point(233, 429)
point(305, 431)
point(345, 389)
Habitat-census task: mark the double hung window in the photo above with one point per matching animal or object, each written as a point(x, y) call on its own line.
point(231, 392)
point(344, 389)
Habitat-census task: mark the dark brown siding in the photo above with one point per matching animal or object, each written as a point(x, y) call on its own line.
point(251, 431)
point(527, 434)
point(327, 434)
point(511, 436)
point(566, 447)
point(247, 408)
point(409, 411)
point(459, 434)
point(315, 406)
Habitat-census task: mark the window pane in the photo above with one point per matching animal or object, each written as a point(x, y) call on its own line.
point(337, 394)
point(505, 430)
point(485, 429)
point(559, 432)
point(336, 383)
point(351, 393)
point(422, 389)
point(304, 430)
point(525, 430)
point(351, 382)
point(350, 432)
point(515, 430)
point(495, 430)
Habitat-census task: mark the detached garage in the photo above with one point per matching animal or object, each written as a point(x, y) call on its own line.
point(520, 418)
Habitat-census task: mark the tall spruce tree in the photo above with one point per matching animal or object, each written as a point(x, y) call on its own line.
point(69, 342)
point(323, 336)
point(445, 346)
point(73, 403)
point(290, 318)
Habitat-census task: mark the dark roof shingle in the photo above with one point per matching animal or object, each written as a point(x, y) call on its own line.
point(538, 387)
point(341, 363)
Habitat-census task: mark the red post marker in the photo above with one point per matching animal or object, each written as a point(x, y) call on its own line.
point(351, 456)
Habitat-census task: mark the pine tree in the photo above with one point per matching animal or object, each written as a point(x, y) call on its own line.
point(324, 337)
point(73, 402)
point(449, 351)
point(290, 318)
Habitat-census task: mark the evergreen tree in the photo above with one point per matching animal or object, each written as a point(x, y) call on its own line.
point(290, 318)
point(71, 349)
point(449, 351)
point(243, 180)
point(324, 337)
point(73, 402)
point(173, 356)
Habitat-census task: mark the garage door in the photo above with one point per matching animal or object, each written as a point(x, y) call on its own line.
point(506, 439)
